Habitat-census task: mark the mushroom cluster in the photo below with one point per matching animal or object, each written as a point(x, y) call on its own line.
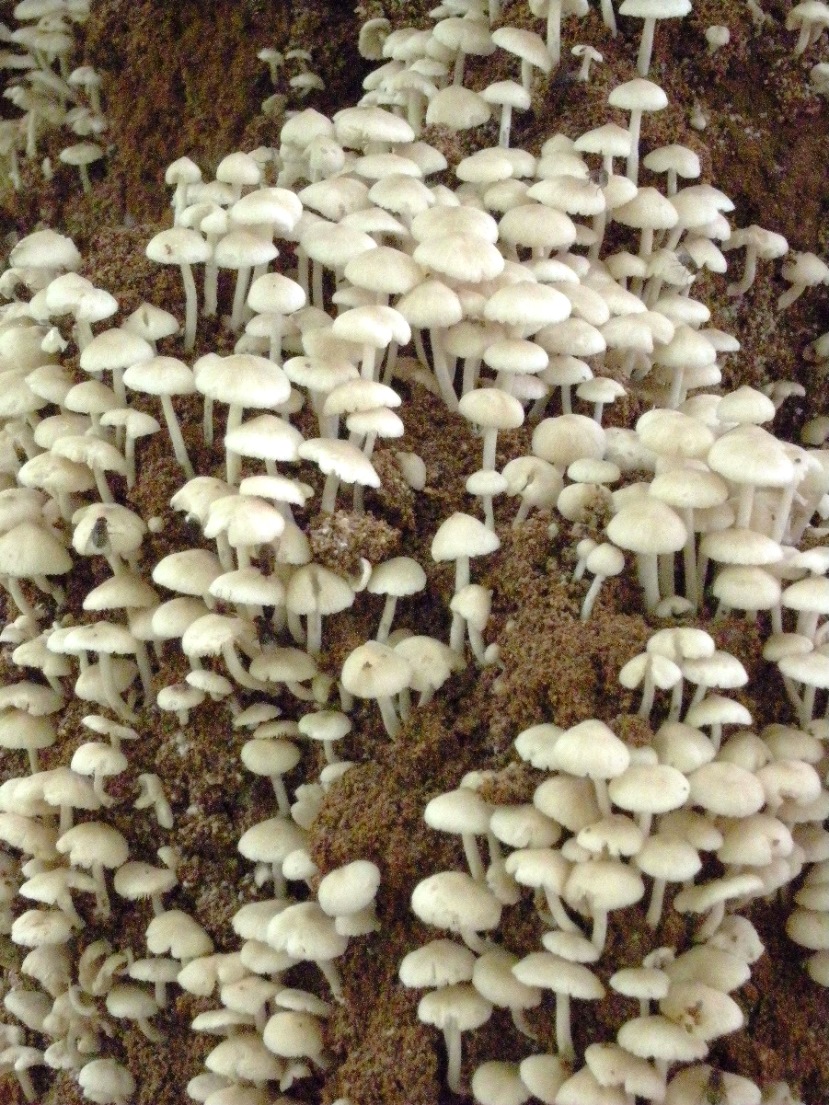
point(48, 92)
point(713, 822)
point(326, 282)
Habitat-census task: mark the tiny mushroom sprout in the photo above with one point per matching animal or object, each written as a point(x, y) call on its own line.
point(804, 270)
point(759, 244)
point(589, 56)
point(273, 759)
point(82, 155)
point(459, 538)
point(603, 562)
point(810, 18)
point(509, 96)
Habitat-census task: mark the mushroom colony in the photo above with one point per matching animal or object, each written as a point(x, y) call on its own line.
point(414, 654)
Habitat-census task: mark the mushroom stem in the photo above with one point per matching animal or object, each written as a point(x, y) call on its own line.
point(521, 1023)
point(174, 430)
point(114, 700)
point(558, 912)
point(12, 585)
point(599, 930)
point(190, 306)
point(441, 370)
point(711, 923)
point(749, 272)
point(329, 493)
point(313, 635)
point(389, 714)
point(282, 800)
point(648, 578)
point(239, 297)
point(634, 129)
point(101, 896)
point(452, 1039)
point(506, 126)
point(152, 1034)
point(332, 977)
point(384, 628)
point(564, 1037)
point(235, 668)
point(473, 857)
point(643, 60)
point(654, 914)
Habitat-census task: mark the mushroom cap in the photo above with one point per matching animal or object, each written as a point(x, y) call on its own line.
point(526, 45)
point(135, 879)
point(458, 811)
point(460, 1005)
point(29, 549)
point(591, 749)
point(638, 95)
point(244, 1056)
point(458, 108)
point(494, 979)
point(461, 535)
point(179, 245)
point(651, 788)
point(293, 1034)
point(94, 842)
point(314, 589)
point(349, 889)
point(698, 1080)
point(543, 1075)
point(603, 885)
point(106, 1082)
point(726, 789)
point(750, 454)
point(550, 972)
point(45, 248)
point(647, 526)
point(656, 1037)
point(306, 932)
point(19, 729)
point(704, 1011)
point(455, 901)
point(373, 670)
point(438, 963)
point(177, 933)
point(242, 379)
point(270, 841)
